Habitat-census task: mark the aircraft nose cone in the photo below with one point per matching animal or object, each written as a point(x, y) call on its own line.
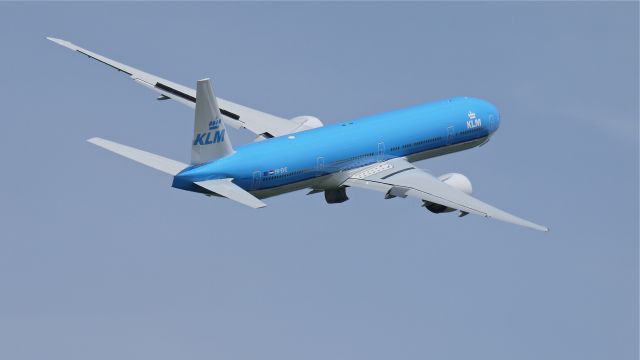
point(494, 117)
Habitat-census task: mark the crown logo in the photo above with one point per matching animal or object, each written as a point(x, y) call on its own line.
point(471, 115)
point(214, 124)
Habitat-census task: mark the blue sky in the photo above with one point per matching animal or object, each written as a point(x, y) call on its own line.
point(100, 258)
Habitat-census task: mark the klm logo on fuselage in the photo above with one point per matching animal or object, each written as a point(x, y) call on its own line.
point(210, 137)
point(473, 122)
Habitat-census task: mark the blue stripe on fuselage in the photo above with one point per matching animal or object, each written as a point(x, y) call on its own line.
point(300, 156)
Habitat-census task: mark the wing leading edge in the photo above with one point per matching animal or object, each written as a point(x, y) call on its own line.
point(398, 177)
point(236, 115)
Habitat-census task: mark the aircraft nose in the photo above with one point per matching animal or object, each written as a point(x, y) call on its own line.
point(494, 118)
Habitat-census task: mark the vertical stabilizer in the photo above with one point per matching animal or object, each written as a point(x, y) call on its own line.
point(210, 141)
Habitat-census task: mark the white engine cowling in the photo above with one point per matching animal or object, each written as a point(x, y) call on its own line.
point(307, 122)
point(455, 180)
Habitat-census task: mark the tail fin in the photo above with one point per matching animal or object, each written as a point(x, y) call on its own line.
point(209, 139)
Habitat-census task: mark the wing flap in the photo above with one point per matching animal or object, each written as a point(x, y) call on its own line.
point(226, 188)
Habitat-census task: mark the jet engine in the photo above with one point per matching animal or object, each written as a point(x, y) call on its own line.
point(336, 196)
point(307, 122)
point(455, 180)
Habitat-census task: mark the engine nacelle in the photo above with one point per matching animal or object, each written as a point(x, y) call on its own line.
point(457, 181)
point(336, 196)
point(307, 122)
point(454, 180)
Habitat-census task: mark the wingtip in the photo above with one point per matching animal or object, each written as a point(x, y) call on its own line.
point(541, 228)
point(55, 40)
point(94, 140)
point(62, 42)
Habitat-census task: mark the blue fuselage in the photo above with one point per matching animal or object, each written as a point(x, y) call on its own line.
point(416, 133)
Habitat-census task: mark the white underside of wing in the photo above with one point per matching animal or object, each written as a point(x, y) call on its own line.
point(400, 178)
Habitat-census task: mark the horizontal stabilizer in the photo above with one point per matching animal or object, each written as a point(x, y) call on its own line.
point(157, 162)
point(228, 189)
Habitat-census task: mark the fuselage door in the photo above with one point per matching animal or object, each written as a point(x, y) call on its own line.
point(320, 164)
point(450, 135)
point(381, 151)
point(257, 177)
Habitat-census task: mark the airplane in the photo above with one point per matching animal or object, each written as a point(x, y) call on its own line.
point(375, 152)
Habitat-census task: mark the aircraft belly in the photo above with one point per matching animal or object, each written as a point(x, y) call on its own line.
point(446, 149)
point(326, 181)
point(278, 190)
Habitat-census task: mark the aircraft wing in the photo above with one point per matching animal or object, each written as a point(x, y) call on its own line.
point(237, 116)
point(399, 178)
